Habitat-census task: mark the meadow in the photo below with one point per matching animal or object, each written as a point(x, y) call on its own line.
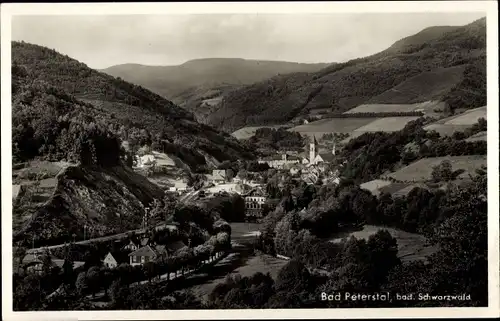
point(421, 170)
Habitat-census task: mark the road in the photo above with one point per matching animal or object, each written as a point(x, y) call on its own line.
point(99, 239)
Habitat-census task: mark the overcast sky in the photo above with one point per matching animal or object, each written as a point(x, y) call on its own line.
point(103, 41)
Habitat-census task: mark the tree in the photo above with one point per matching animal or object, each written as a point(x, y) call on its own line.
point(81, 283)
point(442, 172)
point(94, 280)
point(19, 253)
point(293, 278)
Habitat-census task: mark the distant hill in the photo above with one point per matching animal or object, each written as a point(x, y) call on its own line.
point(189, 84)
point(51, 91)
point(445, 64)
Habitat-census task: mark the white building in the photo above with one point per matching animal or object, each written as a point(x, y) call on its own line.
point(254, 203)
point(277, 161)
point(146, 160)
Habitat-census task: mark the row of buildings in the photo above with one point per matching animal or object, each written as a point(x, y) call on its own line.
point(137, 252)
point(288, 160)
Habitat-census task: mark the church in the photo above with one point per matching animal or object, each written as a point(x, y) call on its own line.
point(316, 158)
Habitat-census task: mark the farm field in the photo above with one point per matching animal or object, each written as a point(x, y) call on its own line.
point(421, 170)
point(386, 124)
point(411, 246)
point(247, 132)
point(384, 108)
point(449, 125)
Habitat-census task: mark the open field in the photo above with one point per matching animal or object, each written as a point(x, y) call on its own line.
point(375, 185)
point(421, 170)
point(481, 136)
point(411, 246)
point(385, 108)
point(449, 125)
point(247, 132)
point(332, 125)
point(379, 186)
point(386, 124)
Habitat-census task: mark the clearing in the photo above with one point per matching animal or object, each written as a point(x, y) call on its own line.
point(411, 246)
point(421, 170)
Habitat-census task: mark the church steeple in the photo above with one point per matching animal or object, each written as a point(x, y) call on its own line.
point(313, 146)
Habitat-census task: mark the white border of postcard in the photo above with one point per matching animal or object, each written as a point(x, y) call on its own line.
point(490, 11)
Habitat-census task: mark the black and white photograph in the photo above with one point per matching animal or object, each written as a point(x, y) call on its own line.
point(248, 157)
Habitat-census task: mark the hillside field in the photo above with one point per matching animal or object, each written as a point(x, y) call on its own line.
point(449, 125)
point(421, 170)
point(427, 106)
point(247, 132)
point(411, 246)
point(353, 126)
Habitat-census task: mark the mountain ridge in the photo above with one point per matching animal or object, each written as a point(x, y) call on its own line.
point(343, 86)
point(191, 83)
point(133, 111)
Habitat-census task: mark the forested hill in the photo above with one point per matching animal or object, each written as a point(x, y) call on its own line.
point(49, 88)
point(198, 84)
point(412, 63)
point(170, 81)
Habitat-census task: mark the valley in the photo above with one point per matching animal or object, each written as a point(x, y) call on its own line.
point(226, 183)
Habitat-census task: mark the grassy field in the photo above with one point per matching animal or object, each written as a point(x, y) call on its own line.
point(449, 125)
point(375, 185)
point(421, 170)
point(332, 125)
point(386, 124)
point(247, 132)
point(478, 137)
point(411, 246)
point(384, 108)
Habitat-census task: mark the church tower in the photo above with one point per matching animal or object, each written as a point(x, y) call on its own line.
point(313, 146)
point(333, 150)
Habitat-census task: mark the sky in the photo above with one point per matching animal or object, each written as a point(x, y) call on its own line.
point(101, 41)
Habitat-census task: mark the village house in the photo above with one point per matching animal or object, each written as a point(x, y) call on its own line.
point(220, 176)
point(150, 253)
point(146, 160)
point(113, 259)
point(32, 263)
point(254, 203)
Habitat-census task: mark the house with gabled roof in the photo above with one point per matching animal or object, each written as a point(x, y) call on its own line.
point(151, 253)
point(115, 258)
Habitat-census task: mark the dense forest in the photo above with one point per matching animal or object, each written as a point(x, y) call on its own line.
point(49, 83)
point(270, 140)
point(344, 86)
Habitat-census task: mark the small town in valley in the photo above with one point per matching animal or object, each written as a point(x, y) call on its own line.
point(148, 173)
